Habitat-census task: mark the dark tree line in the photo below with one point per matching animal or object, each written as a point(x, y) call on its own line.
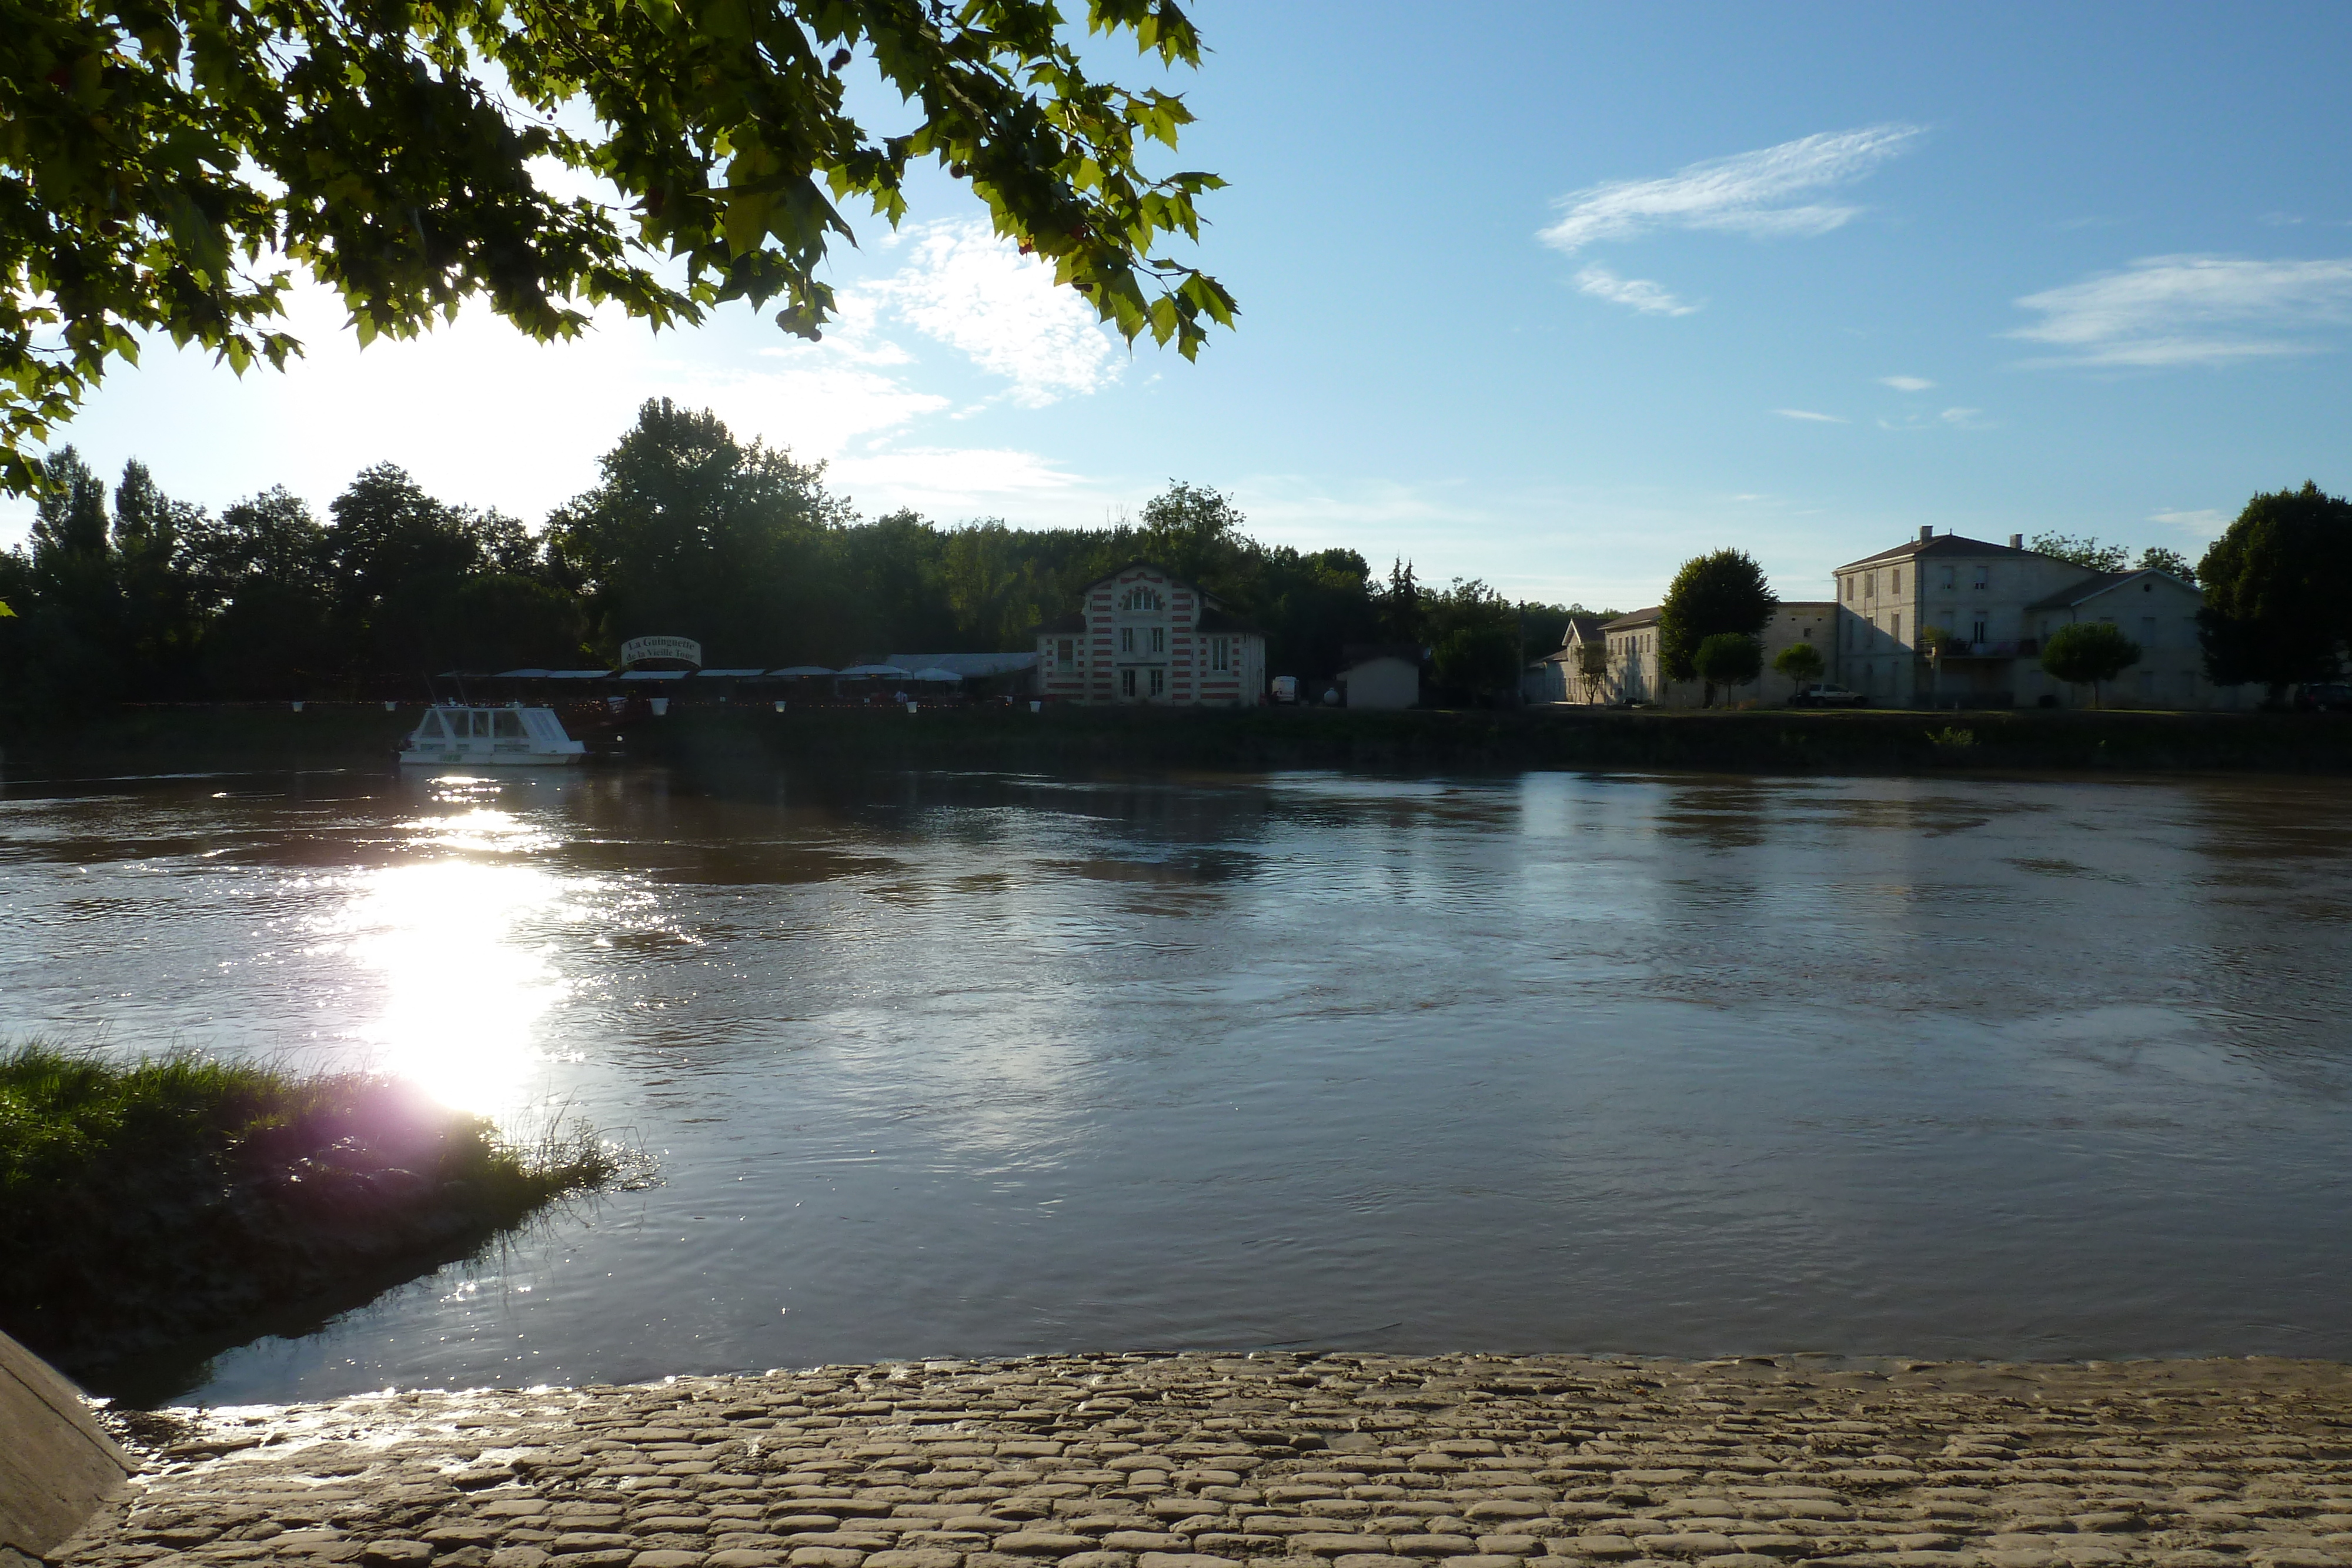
point(688, 530)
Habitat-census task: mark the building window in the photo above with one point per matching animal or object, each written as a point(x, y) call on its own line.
point(1159, 639)
point(1127, 639)
point(1898, 631)
point(1848, 590)
point(1894, 585)
point(1127, 683)
point(1984, 577)
point(1220, 654)
point(1064, 651)
point(1158, 681)
point(1976, 630)
point(1951, 576)
point(1870, 585)
point(1139, 599)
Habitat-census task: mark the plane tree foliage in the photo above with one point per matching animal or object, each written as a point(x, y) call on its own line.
point(2278, 591)
point(688, 530)
point(168, 166)
point(1712, 594)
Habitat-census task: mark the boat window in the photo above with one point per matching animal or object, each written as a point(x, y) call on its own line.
point(509, 724)
point(431, 728)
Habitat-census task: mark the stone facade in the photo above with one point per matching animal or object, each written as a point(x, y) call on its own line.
point(1577, 671)
point(1144, 636)
point(1997, 603)
point(1634, 673)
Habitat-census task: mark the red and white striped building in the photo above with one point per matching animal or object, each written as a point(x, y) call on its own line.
point(1143, 635)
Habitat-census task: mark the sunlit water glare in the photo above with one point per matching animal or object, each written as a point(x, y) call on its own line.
point(970, 1065)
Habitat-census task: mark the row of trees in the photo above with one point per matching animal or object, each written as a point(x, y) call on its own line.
point(688, 529)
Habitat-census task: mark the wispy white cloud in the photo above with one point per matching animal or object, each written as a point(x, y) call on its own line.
point(1809, 414)
point(1906, 383)
point(2281, 220)
point(1752, 194)
point(2163, 311)
point(977, 294)
point(1639, 293)
point(2203, 522)
point(1949, 419)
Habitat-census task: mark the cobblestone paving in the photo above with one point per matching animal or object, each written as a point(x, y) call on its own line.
point(1328, 1461)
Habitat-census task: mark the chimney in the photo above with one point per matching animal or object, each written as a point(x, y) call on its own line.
point(2017, 541)
point(1926, 534)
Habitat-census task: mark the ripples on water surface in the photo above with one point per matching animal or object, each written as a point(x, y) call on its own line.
point(963, 1065)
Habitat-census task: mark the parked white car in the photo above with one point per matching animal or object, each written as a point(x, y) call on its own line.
point(1826, 693)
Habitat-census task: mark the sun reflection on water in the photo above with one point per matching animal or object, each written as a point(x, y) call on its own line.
point(464, 981)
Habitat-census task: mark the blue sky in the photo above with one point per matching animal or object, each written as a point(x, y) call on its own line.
point(1551, 295)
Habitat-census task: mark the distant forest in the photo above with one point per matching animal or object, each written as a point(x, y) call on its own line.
point(139, 596)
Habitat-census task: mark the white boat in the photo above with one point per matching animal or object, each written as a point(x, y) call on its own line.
point(454, 735)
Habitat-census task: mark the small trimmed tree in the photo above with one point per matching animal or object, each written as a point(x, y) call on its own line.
point(1727, 659)
point(2089, 653)
point(1802, 662)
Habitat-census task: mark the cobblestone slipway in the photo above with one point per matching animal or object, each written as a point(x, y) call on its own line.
point(1303, 1461)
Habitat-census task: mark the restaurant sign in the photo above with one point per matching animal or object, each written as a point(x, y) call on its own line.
point(665, 652)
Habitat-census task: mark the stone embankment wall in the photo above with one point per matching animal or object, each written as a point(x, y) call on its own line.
point(1349, 1461)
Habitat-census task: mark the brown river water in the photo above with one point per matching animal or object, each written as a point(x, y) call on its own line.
point(977, 1064)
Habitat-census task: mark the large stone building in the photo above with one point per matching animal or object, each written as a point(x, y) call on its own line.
point(1143, 635)
point(1578, 670)
point(1634, 675)
point(1997, 604)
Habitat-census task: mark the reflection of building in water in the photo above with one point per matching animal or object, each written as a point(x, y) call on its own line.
point(1143, 635)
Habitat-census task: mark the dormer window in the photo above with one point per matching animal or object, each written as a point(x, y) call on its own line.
point(1140, 601)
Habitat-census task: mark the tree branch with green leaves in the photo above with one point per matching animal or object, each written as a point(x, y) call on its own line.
point(166, 165)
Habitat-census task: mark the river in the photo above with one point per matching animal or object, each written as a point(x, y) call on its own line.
point(974, 1064)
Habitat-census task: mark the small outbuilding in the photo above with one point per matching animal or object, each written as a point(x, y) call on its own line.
point(1381, 677)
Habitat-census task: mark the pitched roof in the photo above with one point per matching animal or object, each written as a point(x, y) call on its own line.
point(1173, 579)
point(2100, 582)
point(1214, 618)
point(1353, 654)
point(978, 665)
point(1941, 545)
point(1630, 621)
point(1583, 627)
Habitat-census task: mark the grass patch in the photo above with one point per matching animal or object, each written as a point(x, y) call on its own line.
point(147, 1203)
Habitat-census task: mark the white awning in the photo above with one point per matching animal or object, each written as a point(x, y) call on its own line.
point(935, 673)
point(887, 670)
point(796, 671)
point(655, 675)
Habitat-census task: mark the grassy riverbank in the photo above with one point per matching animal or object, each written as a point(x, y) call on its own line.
point(161, 1203)
point(1765, 740)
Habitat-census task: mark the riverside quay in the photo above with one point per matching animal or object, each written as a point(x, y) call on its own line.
point(1356, 1461)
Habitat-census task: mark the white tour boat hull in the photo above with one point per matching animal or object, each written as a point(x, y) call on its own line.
point(460, 735)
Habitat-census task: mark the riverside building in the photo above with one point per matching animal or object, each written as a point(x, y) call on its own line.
point(1144, 636)
point(1997, 604)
